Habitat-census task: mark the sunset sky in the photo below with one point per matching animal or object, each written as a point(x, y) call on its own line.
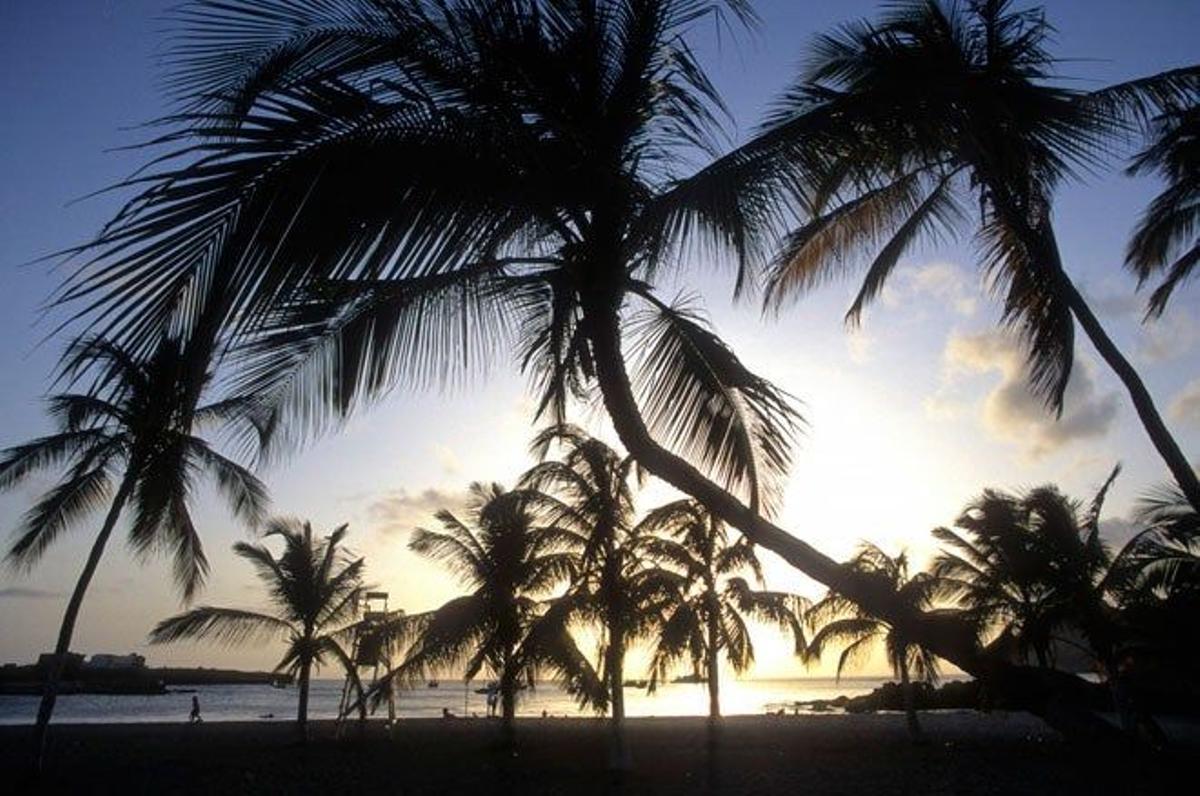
point(908, 417)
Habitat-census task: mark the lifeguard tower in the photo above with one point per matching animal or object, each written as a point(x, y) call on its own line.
point(371, 650)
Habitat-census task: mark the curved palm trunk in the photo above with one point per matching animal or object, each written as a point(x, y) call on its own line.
point(1043, 692)
point(67, 629)
point(1044, 244)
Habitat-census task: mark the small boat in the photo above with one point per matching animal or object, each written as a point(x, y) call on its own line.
point(636, 683)
point(432, 684)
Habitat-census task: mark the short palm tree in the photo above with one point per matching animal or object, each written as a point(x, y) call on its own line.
point(1166, 239)
point(129, 443)
point(1034, 569)
point(511, 563)
point(313, 585)
point(837, 621)
point(710, 618)
point(898, 128)
point(589, 493)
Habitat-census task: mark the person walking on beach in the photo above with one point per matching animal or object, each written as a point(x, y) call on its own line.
point(195, 717)
point(493, 698)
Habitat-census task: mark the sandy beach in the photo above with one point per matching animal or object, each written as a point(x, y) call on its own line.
point(966, 753)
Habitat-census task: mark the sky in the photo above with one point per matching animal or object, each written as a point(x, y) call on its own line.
point(908, 417)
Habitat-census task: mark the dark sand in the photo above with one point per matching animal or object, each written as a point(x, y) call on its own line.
point(966, 753)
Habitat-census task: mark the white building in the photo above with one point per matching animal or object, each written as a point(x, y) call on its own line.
point(130, 661)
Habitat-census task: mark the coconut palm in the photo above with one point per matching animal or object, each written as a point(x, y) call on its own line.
point(1034, 569)
point(1165, 239)
point(838, 621)
point(589, 493)
point(511, 563)
point(375, 193)
point(710, 619)
point(313, 586)
point(131, 443)
point(900, 128)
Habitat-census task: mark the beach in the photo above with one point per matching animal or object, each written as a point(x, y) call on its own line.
point(966, 752)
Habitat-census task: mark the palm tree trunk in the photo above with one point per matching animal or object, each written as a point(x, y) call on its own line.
point(1042, 242)
point(1164, 442)
point(1040, 691)
point(508, 706)
point(619, 758)
point(302, 708)
point(713, 660)
point(910, 704)
point(67, 629)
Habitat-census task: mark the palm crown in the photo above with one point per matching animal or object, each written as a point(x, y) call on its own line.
point(138, 428)
point(313, 585)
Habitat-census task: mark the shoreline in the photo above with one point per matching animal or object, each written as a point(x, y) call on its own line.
point(966, 752)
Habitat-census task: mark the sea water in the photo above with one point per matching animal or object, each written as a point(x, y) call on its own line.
point(265, 703)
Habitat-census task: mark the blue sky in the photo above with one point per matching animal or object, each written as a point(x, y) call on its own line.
point(910, 416)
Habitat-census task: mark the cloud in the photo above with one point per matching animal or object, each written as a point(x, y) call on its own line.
point(399, 511)
point(447, 458)
point(27, 593)
point(949, 284)
point(1185, 407)
point(1010, 412)
point(1170, 337)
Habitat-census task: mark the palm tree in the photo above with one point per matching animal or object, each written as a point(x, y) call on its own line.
point(314, 587)
point(588, 493)
point(372, 193)
point(897, 127)
point(1165, 238)
point(1034, 568)
point(510, 563)
point(710, 619)
point(839, 621)
point(136, 430)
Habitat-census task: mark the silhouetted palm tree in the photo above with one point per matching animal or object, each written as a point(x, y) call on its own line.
point(313, 585)
point(899, 127)
point(1034, 568)
point(371, 193)
point(135, 431)
point(588, 493)
point(1166, 238)
point(511, 563)
point(710, 619)
point(842, 622)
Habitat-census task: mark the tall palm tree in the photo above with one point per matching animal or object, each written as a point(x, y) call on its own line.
point(313, 585)
point(710, 619)
point(380, 192)
point(511, 563)
point(1165, 238)
point(839, 621)
point(589, 493)
point(130, 442)
point(898, 127)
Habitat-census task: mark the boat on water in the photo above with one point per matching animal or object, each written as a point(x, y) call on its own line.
point(433, 684)
point(636, 683)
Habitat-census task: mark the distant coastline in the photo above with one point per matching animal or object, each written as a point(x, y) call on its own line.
point(29, 679)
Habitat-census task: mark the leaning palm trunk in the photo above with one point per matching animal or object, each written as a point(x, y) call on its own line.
point(67, 630)
point(1040, 691)
point(1044, 245)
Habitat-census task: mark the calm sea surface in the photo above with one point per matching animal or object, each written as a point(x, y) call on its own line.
point(264, 703)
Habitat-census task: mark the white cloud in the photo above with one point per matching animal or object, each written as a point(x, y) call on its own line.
point(447, 458)
point(859, 344)
point(1010, 412)
point(399, 511)
point(949, 284)
point(1185, 407)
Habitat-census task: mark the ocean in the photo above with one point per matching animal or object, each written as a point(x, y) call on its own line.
point(264, 703)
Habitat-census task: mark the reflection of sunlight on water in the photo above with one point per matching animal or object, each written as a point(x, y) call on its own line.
point(257, 702)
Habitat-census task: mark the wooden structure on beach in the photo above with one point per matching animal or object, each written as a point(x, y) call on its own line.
point(371, 653)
